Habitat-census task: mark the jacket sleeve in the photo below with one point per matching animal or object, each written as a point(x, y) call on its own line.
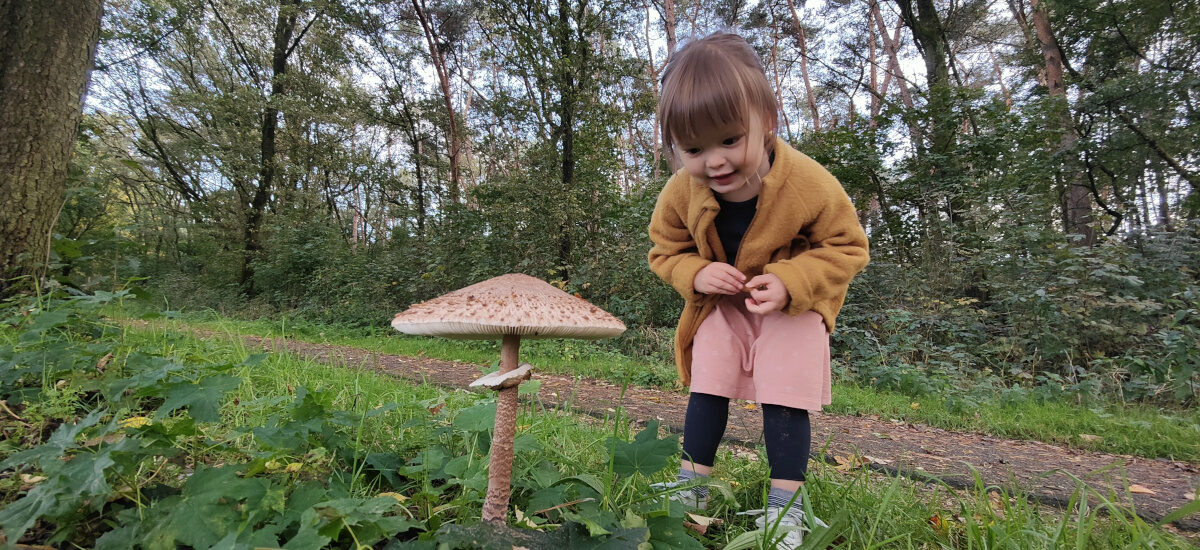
point(838, 250)
point(674, 256)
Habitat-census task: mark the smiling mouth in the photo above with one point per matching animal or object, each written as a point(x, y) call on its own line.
point(723, 179)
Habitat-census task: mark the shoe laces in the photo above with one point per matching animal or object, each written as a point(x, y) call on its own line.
point(793, 516)
point(688, 495)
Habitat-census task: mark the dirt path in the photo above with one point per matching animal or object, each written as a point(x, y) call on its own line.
point(1153, 487)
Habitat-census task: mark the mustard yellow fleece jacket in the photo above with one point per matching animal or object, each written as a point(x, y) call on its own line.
point(805, 231)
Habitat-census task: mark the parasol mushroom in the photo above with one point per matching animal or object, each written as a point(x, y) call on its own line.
point(511, 307)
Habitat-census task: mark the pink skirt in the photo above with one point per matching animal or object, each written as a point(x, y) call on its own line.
point(775, 358)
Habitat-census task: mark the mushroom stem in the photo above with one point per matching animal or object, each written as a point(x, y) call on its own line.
point(495, 504)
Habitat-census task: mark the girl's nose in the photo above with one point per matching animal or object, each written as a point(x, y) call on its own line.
point(715, 161)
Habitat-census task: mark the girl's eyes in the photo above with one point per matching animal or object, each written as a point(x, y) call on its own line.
point(727, 142)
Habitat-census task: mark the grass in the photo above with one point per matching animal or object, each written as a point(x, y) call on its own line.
point(1108, 427)
point(872, 510)
point(362, 433)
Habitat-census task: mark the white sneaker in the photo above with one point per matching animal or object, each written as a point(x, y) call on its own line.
point(787, 527)
point(688, 496)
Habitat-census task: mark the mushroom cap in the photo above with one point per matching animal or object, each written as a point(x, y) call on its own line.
point(512, 304)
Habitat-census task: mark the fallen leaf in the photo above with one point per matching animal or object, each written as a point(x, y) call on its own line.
point(525, 521)
point(103, 362)
point(1135, 488)
point(915, 406)
point(997, 504)
point(847, 464)
point(939, 525)
point(750, 406)
point(1090, 438)
point(399, 497)
point(1189, 496)
point(31, 479)
point(874, 460)
point(110, 439)
point(704, 520)
point(701, 529)
point(135, 422)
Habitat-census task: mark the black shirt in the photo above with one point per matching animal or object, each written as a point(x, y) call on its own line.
point(732, 222)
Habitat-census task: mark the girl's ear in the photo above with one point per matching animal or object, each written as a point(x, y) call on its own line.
point(768, 133)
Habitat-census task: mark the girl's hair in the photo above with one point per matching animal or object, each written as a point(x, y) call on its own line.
point(716, 84)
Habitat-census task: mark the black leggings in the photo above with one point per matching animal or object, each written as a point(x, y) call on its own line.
point(787, 432)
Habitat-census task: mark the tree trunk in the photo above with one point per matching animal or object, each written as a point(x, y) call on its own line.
point(923, 20)
point(787, 124)
point(668, 15)
point(802, 42)
point(420, 190)
point(873, 55)
point(1077, 203)
point(443, 72)
point(1164, 206)
point(1008, 100)
point(285, 27)
point(46, 53)
point(926, 27)
point(573, 51)
point(892, 46)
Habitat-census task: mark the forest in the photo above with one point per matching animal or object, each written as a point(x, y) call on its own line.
point(1026, 171)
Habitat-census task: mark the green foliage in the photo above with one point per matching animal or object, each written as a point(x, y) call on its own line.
point(129, 432)
point(645, 455)
point(143, 455)
point(286, 466)
point(975, 282)
point(1047, 321)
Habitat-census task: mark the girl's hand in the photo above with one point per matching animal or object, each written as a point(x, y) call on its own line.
point(767, 294)
point(719, 278)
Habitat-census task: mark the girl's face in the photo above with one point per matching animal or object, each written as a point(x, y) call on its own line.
point(731, 166)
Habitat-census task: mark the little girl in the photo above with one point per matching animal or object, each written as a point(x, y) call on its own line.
point(761, 241)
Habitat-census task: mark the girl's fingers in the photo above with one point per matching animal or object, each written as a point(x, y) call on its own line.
point(732, 281)
point(754, 306)
point(758, 282)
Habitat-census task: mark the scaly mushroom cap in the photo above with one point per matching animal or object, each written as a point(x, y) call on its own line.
point(508, 304)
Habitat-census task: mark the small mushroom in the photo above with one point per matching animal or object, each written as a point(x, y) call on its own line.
point(510, 307)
